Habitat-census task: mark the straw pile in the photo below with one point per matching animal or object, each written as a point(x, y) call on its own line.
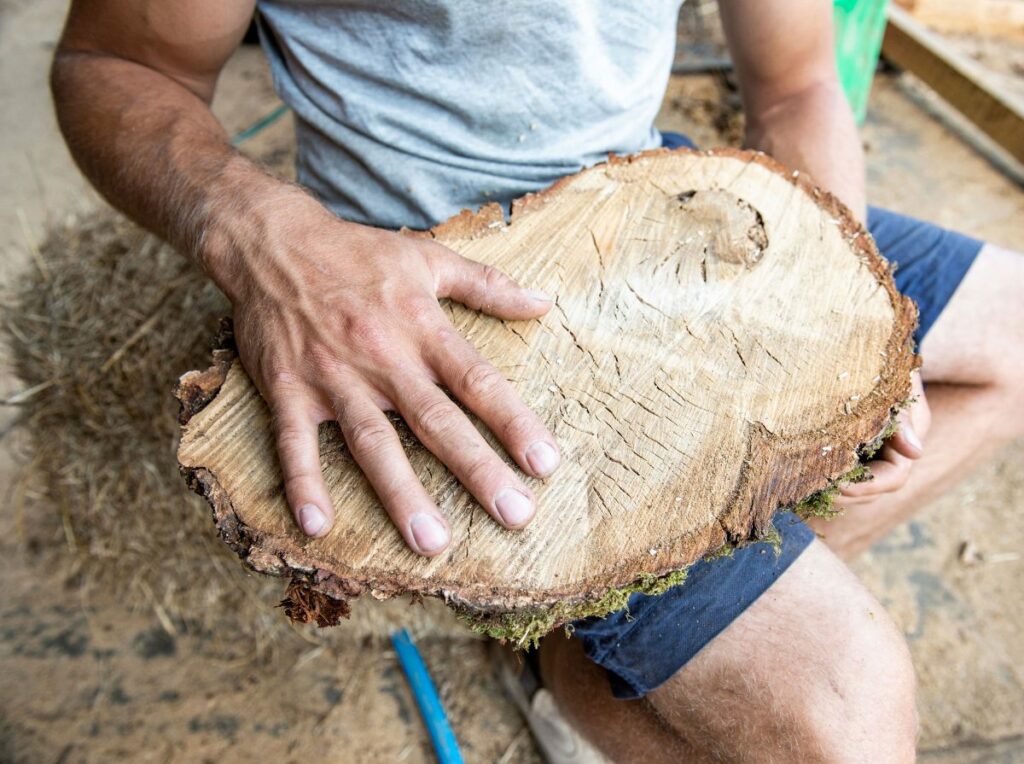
point(98, 333)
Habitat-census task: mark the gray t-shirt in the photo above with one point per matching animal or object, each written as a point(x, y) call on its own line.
point(411, 110)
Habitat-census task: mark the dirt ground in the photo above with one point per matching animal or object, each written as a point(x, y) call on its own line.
point(84, 678)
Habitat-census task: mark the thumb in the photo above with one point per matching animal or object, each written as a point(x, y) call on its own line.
point(485, 288)
point(905, 440)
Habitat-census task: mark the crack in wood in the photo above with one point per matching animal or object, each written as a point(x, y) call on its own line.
point(649, 304)
point(736, 345)
point(615, 460)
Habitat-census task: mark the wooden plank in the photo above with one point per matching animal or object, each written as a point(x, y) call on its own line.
point(992, 18)
point(960, 81)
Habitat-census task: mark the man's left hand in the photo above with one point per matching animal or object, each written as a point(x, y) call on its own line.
point(890, 467)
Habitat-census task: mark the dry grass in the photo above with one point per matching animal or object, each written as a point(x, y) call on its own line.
point(99, 332)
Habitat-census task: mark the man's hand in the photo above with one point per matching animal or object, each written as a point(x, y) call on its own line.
point(891, 466)
point(337, 321)
point(333, 320)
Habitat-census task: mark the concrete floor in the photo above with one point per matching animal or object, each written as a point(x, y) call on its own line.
point(84, 679)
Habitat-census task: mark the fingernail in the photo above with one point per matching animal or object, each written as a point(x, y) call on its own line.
point(515, 508)
point(312, 519)
point(427, 532)
point(533, 294)
point(911, 435)
point(542, 458)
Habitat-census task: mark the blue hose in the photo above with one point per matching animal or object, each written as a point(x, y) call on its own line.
point(441, 735)
point(260, 125)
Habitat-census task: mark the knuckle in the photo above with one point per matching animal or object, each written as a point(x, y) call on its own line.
point(520, 426)
point(435, 418)
point(491, 278)
point(482, 471)
point(447, 340)
point(290, 436)
point(420, 310)
point(369, 435)
point(368, 335)
point(284, 380)
point(480, 380)
point(296, 475)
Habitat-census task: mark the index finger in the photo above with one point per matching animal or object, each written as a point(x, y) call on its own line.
point(889, 472)
point(490, 396)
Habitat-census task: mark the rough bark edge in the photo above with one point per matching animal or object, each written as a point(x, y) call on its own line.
point(196, 389)
point(303, 603)
point(751, 506)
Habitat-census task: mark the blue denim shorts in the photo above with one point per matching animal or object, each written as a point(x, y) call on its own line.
point(645, 644)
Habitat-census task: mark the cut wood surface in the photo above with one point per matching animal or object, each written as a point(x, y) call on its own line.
point(724, 337)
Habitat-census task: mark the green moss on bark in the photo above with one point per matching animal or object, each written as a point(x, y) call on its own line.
point(819, 504)
point(524, 628)
point(726, 550)
point(772, 538)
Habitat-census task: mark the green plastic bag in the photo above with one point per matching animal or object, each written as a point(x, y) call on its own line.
point(859, 25)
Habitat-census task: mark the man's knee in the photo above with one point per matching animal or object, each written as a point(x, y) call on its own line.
point(861, 705)
point(979, 338)
point(815, 670)
point(853, 696)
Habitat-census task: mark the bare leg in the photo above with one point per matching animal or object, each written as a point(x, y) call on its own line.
point(974, 369)
point(814, 670)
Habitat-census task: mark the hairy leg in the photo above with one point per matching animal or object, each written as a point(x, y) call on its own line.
point(814, 670)
point(974, 371)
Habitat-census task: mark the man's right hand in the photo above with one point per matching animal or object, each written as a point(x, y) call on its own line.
point(338, 321)
point(333, 320)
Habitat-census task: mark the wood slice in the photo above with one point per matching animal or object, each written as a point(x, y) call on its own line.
point(724, 338)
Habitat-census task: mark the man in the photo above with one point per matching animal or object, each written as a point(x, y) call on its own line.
point(409, 111)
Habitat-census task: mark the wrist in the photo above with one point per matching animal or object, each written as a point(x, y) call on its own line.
point(245, 220)
point(814, 131)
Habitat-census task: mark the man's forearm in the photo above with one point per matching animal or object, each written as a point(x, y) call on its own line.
point(153, 148)
point(814, 131)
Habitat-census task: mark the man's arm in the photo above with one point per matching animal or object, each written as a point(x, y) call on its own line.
point(132, 83)
point(796, 111)
point(333, 320)
point(784, 55)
